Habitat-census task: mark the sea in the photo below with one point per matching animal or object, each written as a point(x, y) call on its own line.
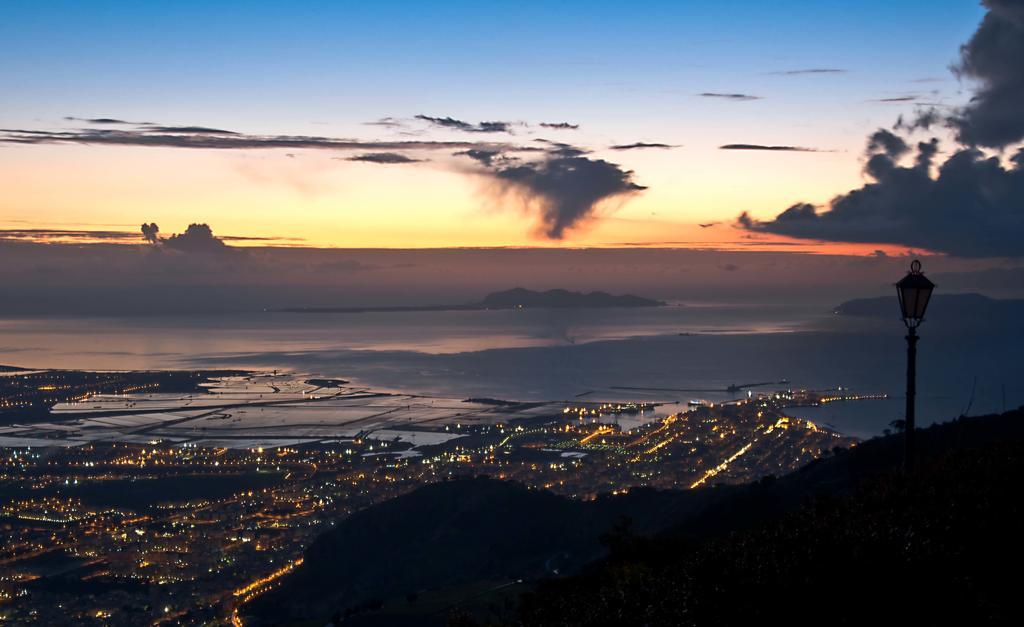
point(671, 354)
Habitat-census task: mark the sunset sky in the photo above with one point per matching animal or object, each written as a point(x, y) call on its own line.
point(325, 148)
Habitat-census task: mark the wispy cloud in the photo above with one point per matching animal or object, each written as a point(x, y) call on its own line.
point(388, 122)
point(640, 145)
point(150, 127)
point(468, 127)
point(767, 147)
point(196, 130)
point(202, 137)
point(97, 120)
point(896, 99)
point(727, 96)
point(66, 235)
point(813, 70)
point(384, 158)
point(565, 126)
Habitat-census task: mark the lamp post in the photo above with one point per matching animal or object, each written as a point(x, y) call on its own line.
point(914, 291)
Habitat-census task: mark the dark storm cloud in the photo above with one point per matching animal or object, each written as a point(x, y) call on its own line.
point(567, 190)
point(887, 142)
point(638, 145)
point(766, 147)
point(739, 97)
point(462, 125)
point(384, 157)
point(560, 149)
point(197, 238)
point(221, 140)
point(972, 208)
point(485, 157)
point(564, 126)
point(992, 58)
point(563, 187)
point(150, 232)
point(926, 152)
point(813, 70)
point(922, 120)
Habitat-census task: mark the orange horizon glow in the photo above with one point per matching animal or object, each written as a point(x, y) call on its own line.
point(313, 199)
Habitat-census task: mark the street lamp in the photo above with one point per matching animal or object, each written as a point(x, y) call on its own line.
point(914, 291)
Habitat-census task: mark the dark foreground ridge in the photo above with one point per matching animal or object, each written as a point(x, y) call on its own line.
point(515, 298)
point(459, 535)
point(845, 540)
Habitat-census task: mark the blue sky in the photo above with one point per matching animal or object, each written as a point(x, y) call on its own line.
point(286, 65)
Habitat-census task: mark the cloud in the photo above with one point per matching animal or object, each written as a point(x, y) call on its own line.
point(486, 157)
point(813, 70)
point(888, 142)
point(220, 140)
point(195, 130)
point(766, 147)
point(149, 127)
point(389, 122)
point(892, 99)
point(971, 205)
point(923, 120)
point(150, 232)
point(197, 238)
point(384, 157)
point(65, 235)
point(637, 145)
point(564, 126)
point(461, 125)
point(563, 187)
point(96, 120)
point(970, 209)
point(557, 179)
point(992, 58)
point(738, 97)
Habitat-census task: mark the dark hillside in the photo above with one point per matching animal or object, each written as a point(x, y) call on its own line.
point(941, 545)
point(837, 541)
point(460, 532)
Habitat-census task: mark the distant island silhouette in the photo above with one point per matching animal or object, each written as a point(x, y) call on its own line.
point(948, 307)
point(515, 298)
